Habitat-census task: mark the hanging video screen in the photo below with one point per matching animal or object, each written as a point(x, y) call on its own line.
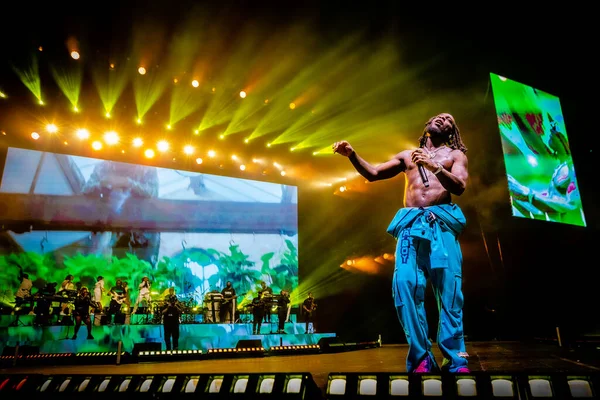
point(541, 175)
point(68, 215)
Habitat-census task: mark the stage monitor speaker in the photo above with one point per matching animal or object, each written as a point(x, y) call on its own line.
point(27, 350)
point(8, 351)
point(249, 343)
point(119, 319)
point(152, 346)
point(331, 344)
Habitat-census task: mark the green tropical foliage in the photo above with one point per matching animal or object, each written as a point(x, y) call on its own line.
point(234, 266)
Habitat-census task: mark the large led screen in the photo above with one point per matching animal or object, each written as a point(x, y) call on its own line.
point(541, 175)
point(63, 214)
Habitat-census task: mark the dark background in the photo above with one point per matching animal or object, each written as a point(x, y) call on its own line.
point(534, 275)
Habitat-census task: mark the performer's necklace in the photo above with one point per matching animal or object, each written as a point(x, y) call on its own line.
point(432, 154)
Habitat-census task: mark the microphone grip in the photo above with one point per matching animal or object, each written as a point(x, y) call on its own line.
point(423, 176)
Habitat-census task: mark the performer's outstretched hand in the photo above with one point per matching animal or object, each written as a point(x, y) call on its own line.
point(343, 148)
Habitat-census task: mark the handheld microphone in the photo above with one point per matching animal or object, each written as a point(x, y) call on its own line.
point(423, 175)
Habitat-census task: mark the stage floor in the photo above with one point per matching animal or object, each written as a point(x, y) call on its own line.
point(484, 356)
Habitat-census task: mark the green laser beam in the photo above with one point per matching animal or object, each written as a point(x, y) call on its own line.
point(110, 83)
point(69, 82)
point(30, 77)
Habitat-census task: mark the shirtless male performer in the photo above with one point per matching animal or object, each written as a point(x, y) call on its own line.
point(427, 230)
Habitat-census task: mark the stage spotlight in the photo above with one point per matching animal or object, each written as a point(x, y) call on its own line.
point(292, 106)
point(188, 149)
point(198, 161)
point(76, 109)
point(282, 173)
point(112, 66)
point(2, 95)
point(195, 83)
point(196, 132)
point(234, 157)
point(367, 385)
point(97, 145)
point(139, 121)
point(169, 127)
point(51, 128)
point(149, 153)
point(242, 167)
point(142, 70)
point(466, 386)
point(336, 385)
point(137, 142)
point(580, 386)
point(268, 144)
point(212, 153)
point(214, 89)
point(35, 135)
point(162, 145)
point(246, 140)
point(399, 385)
point(111, 138)
point(75, 55)
point(243, 94)
point(40, 102)
point(107, 115)
point(82, 133)
point(539, 386)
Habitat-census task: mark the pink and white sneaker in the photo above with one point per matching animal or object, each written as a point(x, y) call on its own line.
point(424, 367)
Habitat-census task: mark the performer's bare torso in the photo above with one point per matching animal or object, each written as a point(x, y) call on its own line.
point(415, 192)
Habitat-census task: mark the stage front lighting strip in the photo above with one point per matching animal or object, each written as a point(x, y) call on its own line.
point(271, 385)
point(475, 385)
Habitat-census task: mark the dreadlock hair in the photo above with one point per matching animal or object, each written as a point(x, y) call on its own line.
point(454, 140)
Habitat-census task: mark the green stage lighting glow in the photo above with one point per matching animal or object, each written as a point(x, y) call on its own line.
point(69, 83)
point(30, 77)
point(110, 84)
point(148, 88)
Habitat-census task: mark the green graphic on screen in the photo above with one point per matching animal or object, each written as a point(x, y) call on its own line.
point(541, 175)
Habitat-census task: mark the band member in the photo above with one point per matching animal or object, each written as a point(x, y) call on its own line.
point(98, 290)
point(67, 288)
point(24, 291)
point(426, 230)
point(68, 283)
point(127, 301)
point(227, 303)
point(171, 315)
point(117, 294)
point(308, 307)
point(83, 302)
point(144, 294)
point(258, 313)
point(282, 311)
point(267, 294)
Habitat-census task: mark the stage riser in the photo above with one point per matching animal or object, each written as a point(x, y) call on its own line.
point(56, 339)
point(28, 320)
